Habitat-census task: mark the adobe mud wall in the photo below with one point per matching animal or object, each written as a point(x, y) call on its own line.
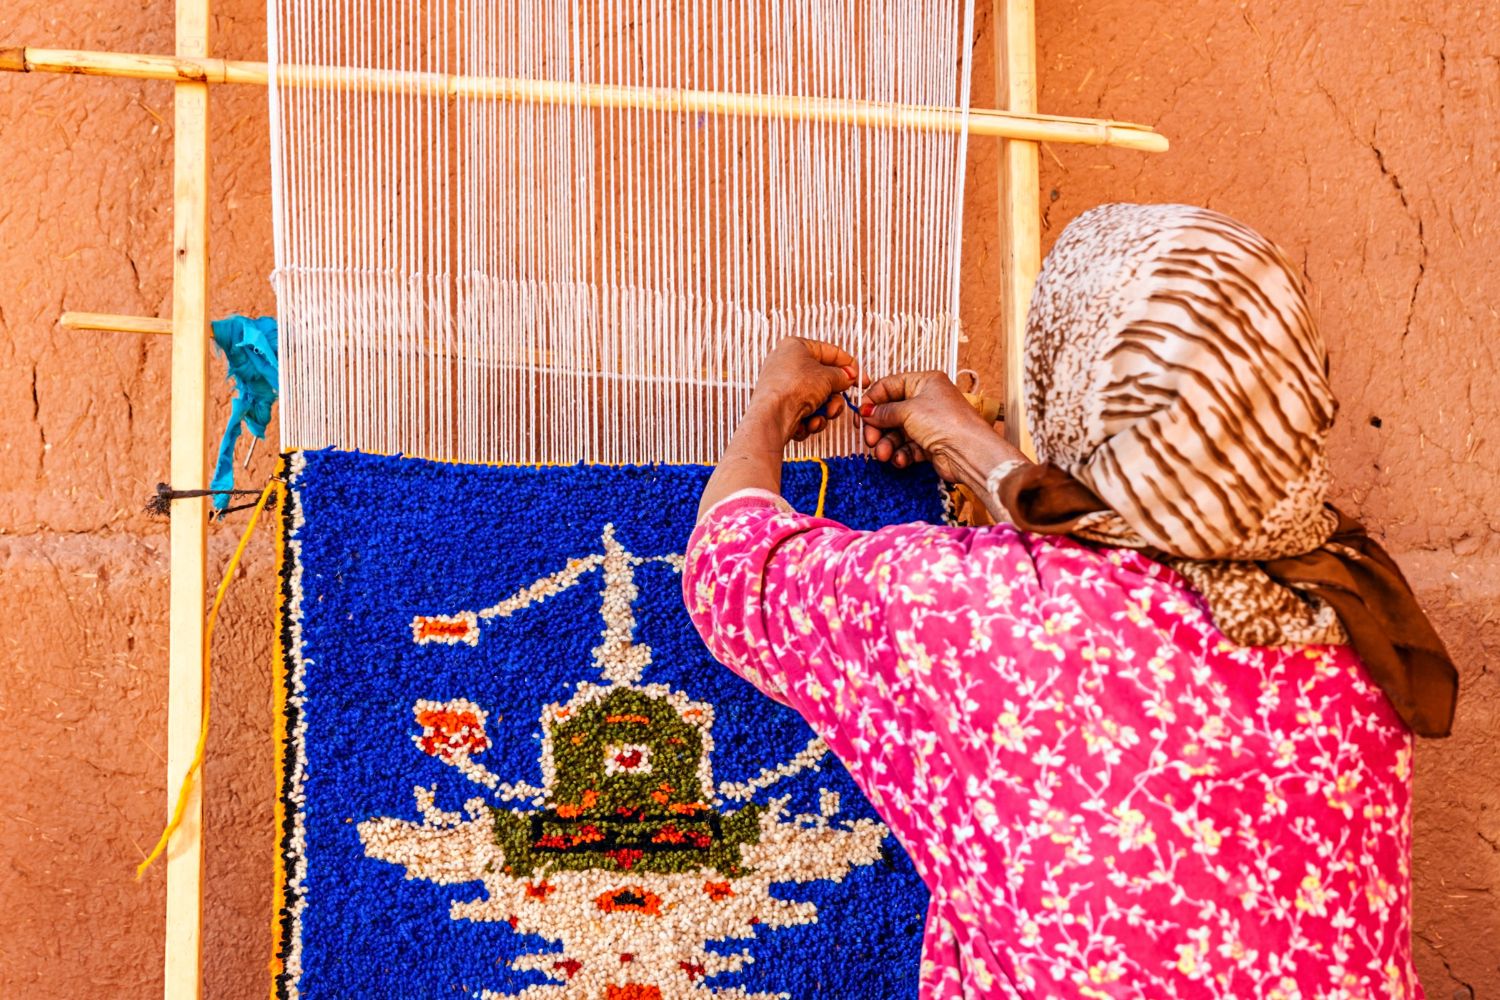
point(1362, 137)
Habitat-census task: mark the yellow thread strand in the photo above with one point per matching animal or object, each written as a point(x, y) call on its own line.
point(208, 637)
point(822, 488)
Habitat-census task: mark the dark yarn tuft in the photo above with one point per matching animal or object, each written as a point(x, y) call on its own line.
point(160, 504)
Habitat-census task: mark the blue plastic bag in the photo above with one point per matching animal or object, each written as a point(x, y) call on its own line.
point(249, 349)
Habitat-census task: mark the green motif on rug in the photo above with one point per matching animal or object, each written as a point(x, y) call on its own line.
point(628, 796)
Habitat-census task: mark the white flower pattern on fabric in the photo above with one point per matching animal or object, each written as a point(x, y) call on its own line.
point(1106, 798)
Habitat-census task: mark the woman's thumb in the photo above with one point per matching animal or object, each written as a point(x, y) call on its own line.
point(884, 415)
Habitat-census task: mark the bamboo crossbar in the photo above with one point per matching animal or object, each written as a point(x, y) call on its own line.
point(114, 323)
point(867, 114)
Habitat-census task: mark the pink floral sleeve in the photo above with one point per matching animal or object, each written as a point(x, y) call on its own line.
point(1105, 797)
point(812, 612)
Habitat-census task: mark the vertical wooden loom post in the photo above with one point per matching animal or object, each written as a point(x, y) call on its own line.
point(189, 414)
point(1021, 211)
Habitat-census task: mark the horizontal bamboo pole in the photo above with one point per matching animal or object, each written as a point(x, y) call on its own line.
point(870, 114)
point(114, 323)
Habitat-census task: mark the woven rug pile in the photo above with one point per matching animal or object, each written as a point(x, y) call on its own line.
point(509, 768)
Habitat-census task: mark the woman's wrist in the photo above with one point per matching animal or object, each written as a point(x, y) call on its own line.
point(753, 458)
point(976, 450)
point(770, 416)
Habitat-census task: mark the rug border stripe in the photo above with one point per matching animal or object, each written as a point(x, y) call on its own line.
point(289, 756)
point(278, 732)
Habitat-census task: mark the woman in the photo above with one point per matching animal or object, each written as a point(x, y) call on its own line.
point(1153, 737)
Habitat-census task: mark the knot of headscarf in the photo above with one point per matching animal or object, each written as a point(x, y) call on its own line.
point(1179, 400)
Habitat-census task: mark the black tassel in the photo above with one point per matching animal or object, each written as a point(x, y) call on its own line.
point(160, 504)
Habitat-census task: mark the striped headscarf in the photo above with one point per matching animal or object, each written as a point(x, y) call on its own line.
point(1179, 400)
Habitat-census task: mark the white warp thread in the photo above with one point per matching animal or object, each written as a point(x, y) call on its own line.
point(491, 281)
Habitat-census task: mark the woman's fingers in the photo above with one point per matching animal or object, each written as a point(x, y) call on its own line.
point(809, 427)
point(887, 390)
point(815, 424)
point(821, 417)
point(884, 415)
point(893, 446)
point(888, 446)
point(888, 401)
point(799, 384)
point(831, 354)
point(907, 385)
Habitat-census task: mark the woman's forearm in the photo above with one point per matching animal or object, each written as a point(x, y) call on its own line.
point(752, 460)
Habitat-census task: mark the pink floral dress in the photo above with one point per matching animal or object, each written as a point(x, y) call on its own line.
point(1105, 798)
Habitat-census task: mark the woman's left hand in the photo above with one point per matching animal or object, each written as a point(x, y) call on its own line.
point(799, 386)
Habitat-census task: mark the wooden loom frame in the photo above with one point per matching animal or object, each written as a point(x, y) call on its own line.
point(192, 70)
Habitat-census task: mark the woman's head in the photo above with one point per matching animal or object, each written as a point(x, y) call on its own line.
point(1172, 366)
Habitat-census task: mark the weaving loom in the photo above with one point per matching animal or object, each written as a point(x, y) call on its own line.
point(544, 234)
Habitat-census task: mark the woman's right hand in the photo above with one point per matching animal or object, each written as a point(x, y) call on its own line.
point(922, 416)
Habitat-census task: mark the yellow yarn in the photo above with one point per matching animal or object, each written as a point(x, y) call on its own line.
point(822, 488)
point(208, 641)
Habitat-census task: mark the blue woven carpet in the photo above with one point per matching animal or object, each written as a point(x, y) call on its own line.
point(510, 768)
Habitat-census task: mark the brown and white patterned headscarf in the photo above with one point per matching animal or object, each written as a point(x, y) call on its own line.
point(1179, 400)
